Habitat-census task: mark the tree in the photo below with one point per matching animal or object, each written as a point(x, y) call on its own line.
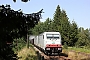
point(51, 28)
point(70, 33)
point(22, 0)
point(73, 34)
point(48, 25)
point(38, 28)
point(65, 27)
point(57, 21)
point(43, 27)
point(61, 24)
point(14, 24)
point(83, 38)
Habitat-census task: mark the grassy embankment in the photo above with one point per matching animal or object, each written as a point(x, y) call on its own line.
point(77, 53)
point(79, 49)
point(27, 54)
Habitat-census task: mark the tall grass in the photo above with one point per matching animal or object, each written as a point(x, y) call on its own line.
point(27, 54)
point(77, 53)
point(79, 49)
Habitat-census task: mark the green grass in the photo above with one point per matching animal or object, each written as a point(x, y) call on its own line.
point(79, 49)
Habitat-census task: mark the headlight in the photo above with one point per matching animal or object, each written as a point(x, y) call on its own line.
point(59, 48)
point(48, 49)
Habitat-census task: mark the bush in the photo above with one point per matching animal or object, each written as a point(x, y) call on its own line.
point(18, 44)
point(65, 45)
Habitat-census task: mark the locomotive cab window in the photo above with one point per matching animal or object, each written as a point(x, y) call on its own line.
point(49, 36)
point(52, 36)
point(56, 36)
point(43, 36)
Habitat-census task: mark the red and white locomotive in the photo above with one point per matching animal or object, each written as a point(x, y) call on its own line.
point(49, 42)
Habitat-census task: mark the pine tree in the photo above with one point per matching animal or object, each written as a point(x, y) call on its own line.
point(73, 34)
point(83, 38)
point(57, 19)
point(61, 24)
point(48, 25)
point(65, 24)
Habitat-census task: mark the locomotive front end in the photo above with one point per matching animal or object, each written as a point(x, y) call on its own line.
point(53, 48)
point(53, 43)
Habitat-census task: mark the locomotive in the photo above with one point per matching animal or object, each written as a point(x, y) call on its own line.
point(48, 42)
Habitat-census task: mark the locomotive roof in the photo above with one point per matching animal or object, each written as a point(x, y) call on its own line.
point(50, 33)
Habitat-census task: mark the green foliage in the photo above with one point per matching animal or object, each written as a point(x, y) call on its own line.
point(73, 34)
point(57, 21)
point(65, 27)
point(14, 25)
point(65, 45)
point(62, 24)
point(83, 38)
point(18, 44)
point(38, 28)
point(70, 33)
point(42, 27)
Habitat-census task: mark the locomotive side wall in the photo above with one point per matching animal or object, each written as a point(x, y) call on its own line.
point(41, 40)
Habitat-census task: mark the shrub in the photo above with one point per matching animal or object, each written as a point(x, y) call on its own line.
point(18, 44)
point(65, 45)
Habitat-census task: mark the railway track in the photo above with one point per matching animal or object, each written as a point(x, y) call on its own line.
point(42, 56)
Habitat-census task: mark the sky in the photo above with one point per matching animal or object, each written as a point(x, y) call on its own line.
point(77, 10)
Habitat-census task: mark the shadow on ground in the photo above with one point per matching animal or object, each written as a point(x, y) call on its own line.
point(56, 54)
